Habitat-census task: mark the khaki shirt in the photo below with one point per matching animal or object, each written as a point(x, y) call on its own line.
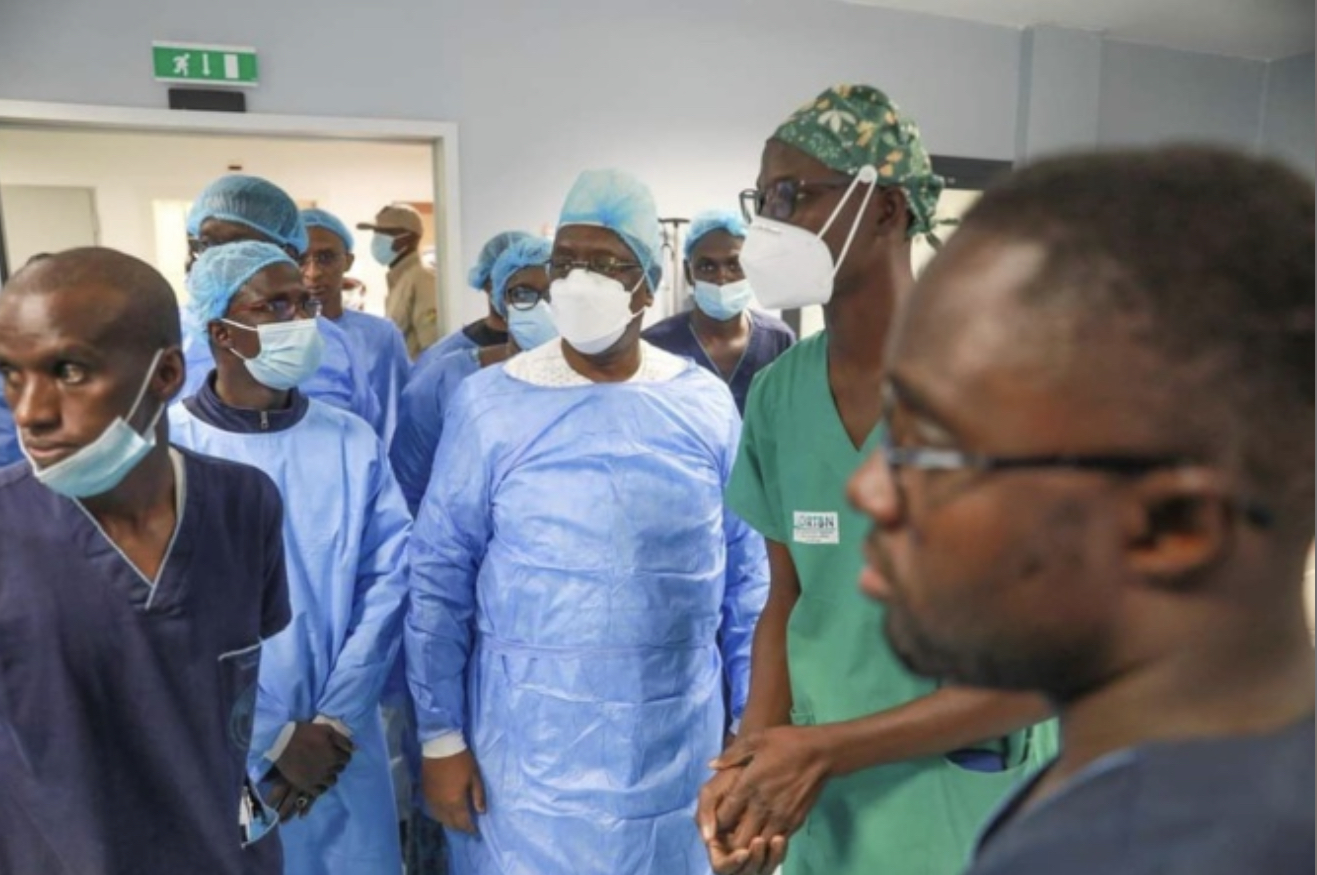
point(413, 303)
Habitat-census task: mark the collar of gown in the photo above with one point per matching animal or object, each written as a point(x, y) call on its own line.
point(207, 406)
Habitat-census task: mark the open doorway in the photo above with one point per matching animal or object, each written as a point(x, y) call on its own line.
point(122, 178)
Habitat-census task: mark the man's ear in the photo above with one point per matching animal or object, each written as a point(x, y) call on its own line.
point(170, 374)
point(349, 260)
point(892, 210)
point(1177, 522)
point(220, 334)
point(690, 278)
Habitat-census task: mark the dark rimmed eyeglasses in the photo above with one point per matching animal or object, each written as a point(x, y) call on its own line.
point(615, 268)
point(942, 459)
point(524, 297)
point(779, 200)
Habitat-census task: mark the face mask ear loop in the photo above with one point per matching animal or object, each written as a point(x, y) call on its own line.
point(238, 325)
point(141, 393)
point(868, 176)
point(842, 203)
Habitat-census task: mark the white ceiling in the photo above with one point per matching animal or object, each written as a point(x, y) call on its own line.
point(1262, 29)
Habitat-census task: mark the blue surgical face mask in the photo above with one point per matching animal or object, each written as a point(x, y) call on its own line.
point(723, 302)
point(533, 327)
point(381, 249)
point(290, 352)
point(103, 464)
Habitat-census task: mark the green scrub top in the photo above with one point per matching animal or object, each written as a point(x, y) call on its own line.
point(918, 817)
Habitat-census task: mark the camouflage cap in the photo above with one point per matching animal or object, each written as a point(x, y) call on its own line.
point(849, 127)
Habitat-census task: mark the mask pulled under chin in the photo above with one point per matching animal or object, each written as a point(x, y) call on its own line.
point(103, 464)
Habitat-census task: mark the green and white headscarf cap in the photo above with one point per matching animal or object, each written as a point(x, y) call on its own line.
point(849, 127)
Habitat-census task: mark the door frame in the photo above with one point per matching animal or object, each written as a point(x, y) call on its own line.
point(440, 136)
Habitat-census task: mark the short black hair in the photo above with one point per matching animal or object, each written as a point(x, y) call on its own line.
point(1209, 253)
point(149, 318)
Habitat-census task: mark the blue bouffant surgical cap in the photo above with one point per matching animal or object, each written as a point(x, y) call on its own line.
point(220, 272)
point(316, 218)
point(482, 271)
point(713, 220)
point(623, 204)
point(249, 200)
point(526, 252)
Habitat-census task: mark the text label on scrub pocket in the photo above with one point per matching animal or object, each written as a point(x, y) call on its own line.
point(816, 528)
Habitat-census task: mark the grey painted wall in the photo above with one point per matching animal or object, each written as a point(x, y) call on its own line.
point(1060, 91)
point(1288, 127)
point(682, 93)
point(1151, 95)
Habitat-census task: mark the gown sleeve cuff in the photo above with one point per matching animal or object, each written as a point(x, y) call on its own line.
point(446, 745)
point(339, 726)
point(280, 742)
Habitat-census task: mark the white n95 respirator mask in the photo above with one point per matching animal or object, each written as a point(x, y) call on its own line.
point(592, 311)
point(790, 267)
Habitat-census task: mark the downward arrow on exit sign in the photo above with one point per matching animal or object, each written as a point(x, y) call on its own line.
point(214, 65)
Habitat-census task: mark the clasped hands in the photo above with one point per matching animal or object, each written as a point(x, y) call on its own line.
point(309, 766)
point(766, 783)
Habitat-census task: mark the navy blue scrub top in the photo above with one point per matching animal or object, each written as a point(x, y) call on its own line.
point(769, 338)
point(1230, 806)
point(125, 704)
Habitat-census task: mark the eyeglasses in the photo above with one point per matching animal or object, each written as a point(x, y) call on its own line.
point(941, 459)
point(524, 297)
point(284, 308)
point(780, 199)
point(325, 258)
point(616, 268)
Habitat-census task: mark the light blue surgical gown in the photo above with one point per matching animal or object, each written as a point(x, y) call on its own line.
point(379, 346)
point(458, 341)
point(341, 380)
point(9, 449)
point(578, 590)
point(345, 534)
point(421, 419)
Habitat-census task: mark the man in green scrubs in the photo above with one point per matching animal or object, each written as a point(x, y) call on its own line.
point(868, 769)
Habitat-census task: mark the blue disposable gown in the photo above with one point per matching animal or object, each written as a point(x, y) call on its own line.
point(421, 419)
point(578, 589)
point(341, 380)
point(345, 536)
point(458, 341)
point(10, 452)
point(379, 346)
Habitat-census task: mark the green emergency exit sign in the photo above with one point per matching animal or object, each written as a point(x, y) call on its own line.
point(213, 65)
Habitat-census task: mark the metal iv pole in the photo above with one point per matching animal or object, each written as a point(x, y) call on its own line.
point(676, 277)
